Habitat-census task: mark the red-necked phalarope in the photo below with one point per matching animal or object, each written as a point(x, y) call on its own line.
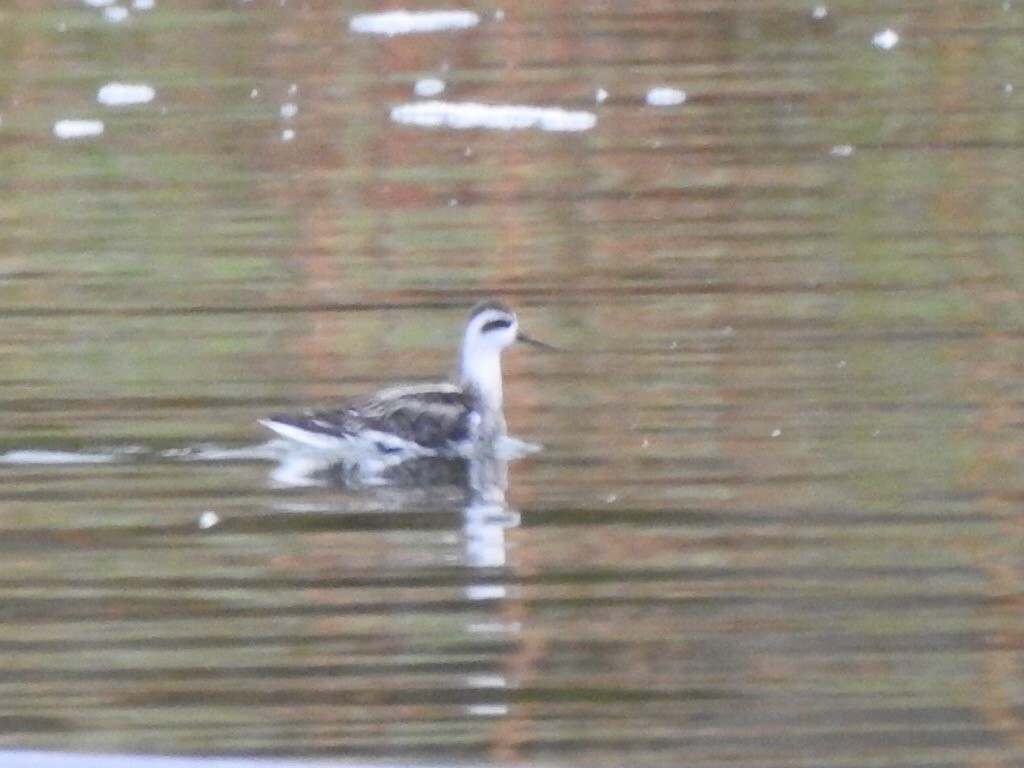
point(449, 419)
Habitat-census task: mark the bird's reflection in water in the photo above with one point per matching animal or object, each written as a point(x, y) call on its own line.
point(474, 484)
point(480, 470)
point(479, 483)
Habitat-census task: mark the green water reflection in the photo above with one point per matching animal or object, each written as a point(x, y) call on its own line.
point(776, 521)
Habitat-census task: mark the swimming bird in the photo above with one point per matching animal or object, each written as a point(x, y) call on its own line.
point(450, 419)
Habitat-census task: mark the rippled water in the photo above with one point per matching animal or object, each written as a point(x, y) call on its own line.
point(777, 517)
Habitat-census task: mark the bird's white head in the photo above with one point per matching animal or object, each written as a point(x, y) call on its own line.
point(491, 327)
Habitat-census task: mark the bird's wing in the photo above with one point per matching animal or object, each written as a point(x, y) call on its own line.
point(431, 415)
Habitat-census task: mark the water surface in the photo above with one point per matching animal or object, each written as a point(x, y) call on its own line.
point(776, 520)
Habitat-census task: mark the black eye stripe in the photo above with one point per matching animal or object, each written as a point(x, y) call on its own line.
point(494, 325)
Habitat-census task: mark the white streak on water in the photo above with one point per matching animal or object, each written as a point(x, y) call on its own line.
point(212, 452)
point(31, 456)
point(886, 39)
point(121, 94)
point(488, 710)
point(663, 96)
point(77, 129)
point(487, 681)
point(41, 759)
point(407, 22)
point(428, 86)
point(435, 114)
point(115, 14)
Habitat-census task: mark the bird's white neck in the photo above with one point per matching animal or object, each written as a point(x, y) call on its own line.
point(480, 371)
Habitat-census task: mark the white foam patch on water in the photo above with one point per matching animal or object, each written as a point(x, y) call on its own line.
point(115, 14)
point(121, 94)
point(428, 86)
point(508, 447)
point(505, 117)
point(886, 39)
point(77, 129)
point(663, 96)
point(407, 22)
